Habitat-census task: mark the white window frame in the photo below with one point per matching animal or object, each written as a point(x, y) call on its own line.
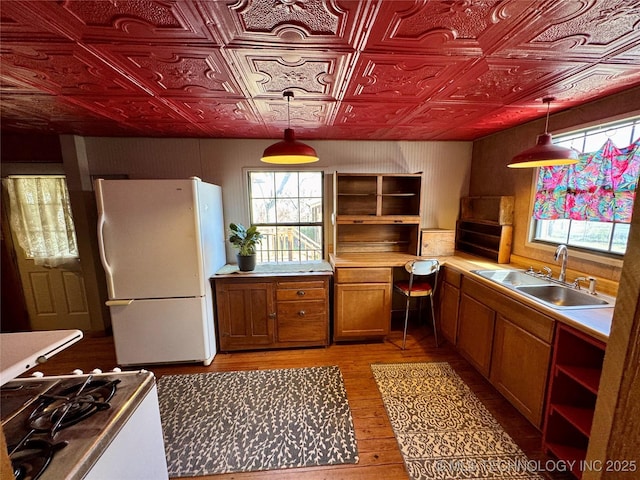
point(263, 257)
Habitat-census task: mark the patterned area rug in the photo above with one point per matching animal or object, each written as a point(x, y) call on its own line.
point(255, 420)
point(442, 428)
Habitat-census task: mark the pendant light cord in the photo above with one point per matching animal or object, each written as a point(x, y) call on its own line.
point(288, 94)
point(548, 101)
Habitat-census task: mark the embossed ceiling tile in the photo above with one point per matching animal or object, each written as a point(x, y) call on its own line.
point(133, 21)
point(221, 111)
point(592, 82)
point(402, 76)
point(503, 81)
point(312, 23)
point(133, 109)
point(440, 116)
point(45, 107)
point(61, 69)
point(370, 113)
point(14, 28)
point(463, 27)
point(310, 74)
point(304, 113)
point(579, 29)
point(175, 71)
point(9, 85)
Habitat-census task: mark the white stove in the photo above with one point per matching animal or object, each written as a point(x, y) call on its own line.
point(89, 426)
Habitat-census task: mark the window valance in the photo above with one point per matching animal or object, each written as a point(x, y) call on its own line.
point(600, 187)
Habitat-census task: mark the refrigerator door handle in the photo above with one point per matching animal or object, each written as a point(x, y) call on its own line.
point(103, 253)
point(118, 303)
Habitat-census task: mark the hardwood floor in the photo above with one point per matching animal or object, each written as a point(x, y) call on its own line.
point(378, 451)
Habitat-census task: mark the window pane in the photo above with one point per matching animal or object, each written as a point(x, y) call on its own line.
point(310, 210)
point(555, 231)
point(620, 237)
point(287, 184)
point(287, 210)
point(311, 184)
point(263, 210)
point(262, 184)
point(594, 235)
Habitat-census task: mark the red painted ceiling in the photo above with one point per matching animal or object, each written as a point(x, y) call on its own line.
point(366, 69)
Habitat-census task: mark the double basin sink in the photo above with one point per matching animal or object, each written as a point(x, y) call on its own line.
point(545, 291)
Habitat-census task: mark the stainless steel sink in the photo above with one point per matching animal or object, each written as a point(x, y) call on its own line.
point(511, 278)
point(545, 291)
point(558, 296)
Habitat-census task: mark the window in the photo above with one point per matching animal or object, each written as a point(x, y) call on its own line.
point(41, 218)
point(288, 208)
point(585, 229)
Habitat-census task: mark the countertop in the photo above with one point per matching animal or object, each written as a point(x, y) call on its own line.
point(277, 269)
point(595, 322)
point(22, 351)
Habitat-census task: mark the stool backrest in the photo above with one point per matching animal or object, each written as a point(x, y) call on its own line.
point(422, 267)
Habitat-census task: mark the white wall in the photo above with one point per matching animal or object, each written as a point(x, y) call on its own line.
point(445, 166)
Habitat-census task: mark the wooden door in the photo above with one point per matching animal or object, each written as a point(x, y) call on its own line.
point(519, 368)
point(55, 296)
point(475, 333)
point(449, 299)
point(246, 314)
point(362, 310)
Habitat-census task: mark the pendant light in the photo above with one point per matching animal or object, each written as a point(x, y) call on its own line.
point(289, 151)
point(545, 153)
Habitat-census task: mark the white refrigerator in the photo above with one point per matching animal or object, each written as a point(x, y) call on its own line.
point(160, 242)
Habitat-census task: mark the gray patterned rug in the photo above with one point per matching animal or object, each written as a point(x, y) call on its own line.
point(442, 428)
point(255, 420)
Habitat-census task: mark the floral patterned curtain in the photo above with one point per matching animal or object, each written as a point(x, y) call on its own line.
point(601, 187)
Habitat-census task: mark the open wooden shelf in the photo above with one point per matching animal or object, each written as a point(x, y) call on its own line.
point(485, 227)
point(571, 398)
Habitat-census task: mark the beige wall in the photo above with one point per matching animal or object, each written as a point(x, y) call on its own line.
point(445, 167)
point(490, 175)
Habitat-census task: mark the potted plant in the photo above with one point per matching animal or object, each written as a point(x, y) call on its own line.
point(245, 240)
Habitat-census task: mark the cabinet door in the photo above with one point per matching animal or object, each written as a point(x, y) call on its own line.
point(475, 333)
point(450, 297)
point(362, 310)
point(519, 368)
point(246, 314)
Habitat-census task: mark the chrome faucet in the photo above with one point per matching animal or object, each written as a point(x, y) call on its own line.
point(562, 250)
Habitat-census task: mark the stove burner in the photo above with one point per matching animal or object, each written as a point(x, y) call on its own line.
point(31, 458)
point(60, 409)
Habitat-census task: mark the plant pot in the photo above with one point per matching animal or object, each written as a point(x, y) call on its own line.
point(246, 263)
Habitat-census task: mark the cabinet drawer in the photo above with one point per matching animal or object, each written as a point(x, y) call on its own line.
point(301, 292)
point(452, 276)
point(315, 310)
point(363, 275)
point(303, 322)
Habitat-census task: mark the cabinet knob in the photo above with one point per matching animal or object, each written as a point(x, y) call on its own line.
point(398, 221)
point(272, 315)
point(301, 293)
point(301, 313)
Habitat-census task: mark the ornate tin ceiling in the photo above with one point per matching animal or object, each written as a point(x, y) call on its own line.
point(360, 69)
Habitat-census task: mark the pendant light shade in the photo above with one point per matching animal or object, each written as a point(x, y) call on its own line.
point(545, 153)
point(289, 151)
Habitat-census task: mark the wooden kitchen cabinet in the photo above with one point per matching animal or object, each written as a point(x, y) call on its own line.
point(376, 213)
point(449, 304)
point(272, 312)
point(246, 314)
point(509, 343)
point(362, 307)
point(518, 368)
point(475, 333)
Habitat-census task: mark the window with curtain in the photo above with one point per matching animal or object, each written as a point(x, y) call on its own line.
point(590, 204)
point(41, 219)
